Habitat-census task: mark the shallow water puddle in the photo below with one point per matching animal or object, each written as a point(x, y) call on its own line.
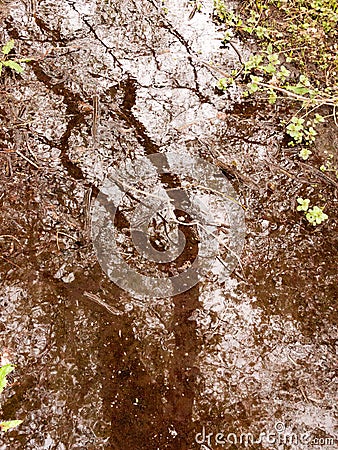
point(98, 368)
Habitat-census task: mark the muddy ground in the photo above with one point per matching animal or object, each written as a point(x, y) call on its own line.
point(251, 353)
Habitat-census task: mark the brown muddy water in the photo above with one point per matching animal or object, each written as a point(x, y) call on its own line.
point(100, 368)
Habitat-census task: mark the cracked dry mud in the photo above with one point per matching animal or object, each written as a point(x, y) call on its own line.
point(110, 82)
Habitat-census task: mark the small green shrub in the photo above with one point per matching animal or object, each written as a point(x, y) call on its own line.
point(315, 216)
point(6, 61)
point(4, 371)
point(296, 61)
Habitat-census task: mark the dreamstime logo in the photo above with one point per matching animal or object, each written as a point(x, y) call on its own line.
point(278, 436)
point(161, 223)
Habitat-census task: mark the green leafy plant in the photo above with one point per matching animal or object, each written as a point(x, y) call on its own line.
point(226, 15)
point(303, 31)
point(6, 61)
point(315, 216)
point(4, 371)
point(305, 153)
point(303, 204)
point(285, 39)
point(296, 61)
point(301, 131)
point(329, 166)
point(224, 83)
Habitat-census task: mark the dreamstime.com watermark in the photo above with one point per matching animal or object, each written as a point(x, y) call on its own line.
point(279, 436)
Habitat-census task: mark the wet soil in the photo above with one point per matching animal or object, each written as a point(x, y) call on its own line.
point(110, 82)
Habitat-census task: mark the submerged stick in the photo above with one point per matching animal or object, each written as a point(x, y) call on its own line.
point(102, 303)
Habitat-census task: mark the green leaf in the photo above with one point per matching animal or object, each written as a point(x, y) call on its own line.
point(319, 119)
point(253, 62)
point(8, 47)
point(298, 89)
point(304, 80)
point(304, 153)
point(4, 371)
point(272, 97)
point(248, 29)
point(297, 121)
point(255, 79)
point(303, 204)
point(253, 87)
point(273, 59)
point(261, 32)
point(312, 131)
point(0, 68)
point(224, 83)
point(270, 68)
point(316, 216)
point(228, 35)
point(283, 72)
point(269, 49)
point(5, 426)
point(13, 65)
